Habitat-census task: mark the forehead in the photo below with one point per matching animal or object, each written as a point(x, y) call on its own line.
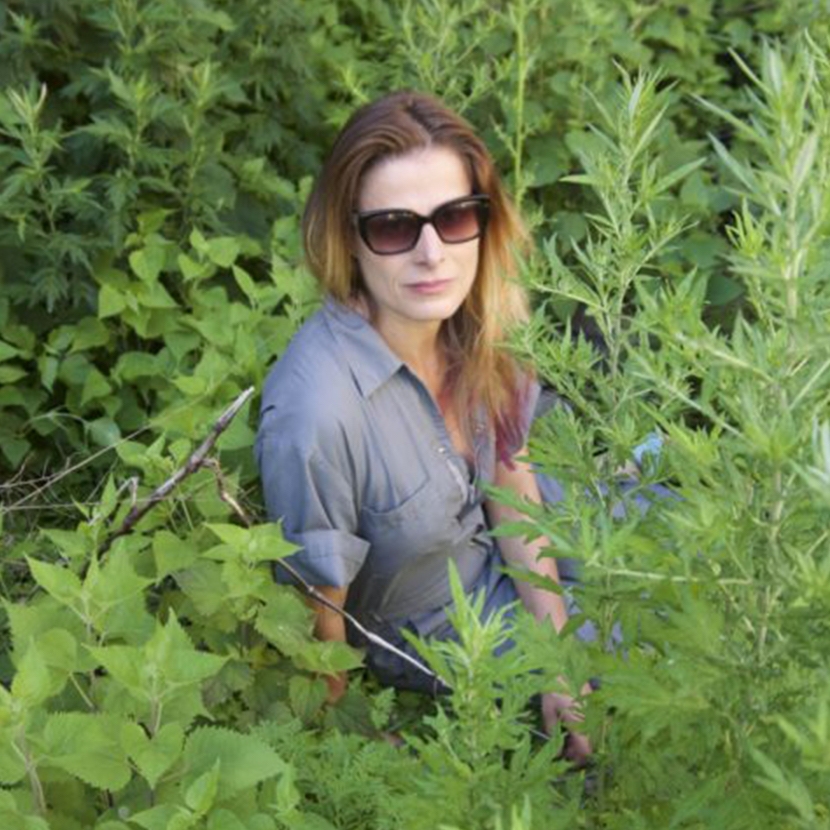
point(418, 180)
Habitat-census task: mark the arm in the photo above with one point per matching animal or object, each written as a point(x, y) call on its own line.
point(543, 604)
point(522, 554)
point(329, 625)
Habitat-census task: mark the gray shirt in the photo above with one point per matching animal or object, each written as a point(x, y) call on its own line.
point(356, 460)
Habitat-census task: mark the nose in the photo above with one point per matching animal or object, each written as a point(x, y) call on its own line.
point(430, 248)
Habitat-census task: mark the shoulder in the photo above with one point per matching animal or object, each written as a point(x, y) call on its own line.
point(310, 398)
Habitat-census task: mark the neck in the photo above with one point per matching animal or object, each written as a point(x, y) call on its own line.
point(419, 346)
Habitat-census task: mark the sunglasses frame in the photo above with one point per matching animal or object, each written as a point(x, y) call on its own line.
point(481, 200)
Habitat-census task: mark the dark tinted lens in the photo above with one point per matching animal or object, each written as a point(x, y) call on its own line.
point(460, 221)
point(391, 232)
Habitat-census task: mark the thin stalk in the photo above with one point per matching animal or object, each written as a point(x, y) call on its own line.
point(519, 20)
point(39, 797)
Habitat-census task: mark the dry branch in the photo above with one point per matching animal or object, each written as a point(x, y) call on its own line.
point(196, 461)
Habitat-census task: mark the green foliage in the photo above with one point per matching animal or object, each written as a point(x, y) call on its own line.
point(673, 165)
point(721, 586)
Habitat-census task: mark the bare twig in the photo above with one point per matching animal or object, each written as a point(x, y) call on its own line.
point(194, 463)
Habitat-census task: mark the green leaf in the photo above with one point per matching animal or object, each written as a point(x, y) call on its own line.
point(11, 374)
point(192, 386)
point(34, 682)
point(43, 614)
point(148, 262)
point(111, 302)
point(116, 597)
point(171, 553)
point(72, 544)
point(155, 295)
point(223, 250)
point(192, 270)
point(12, 764)
point(89, 333)
point(59, 582)
point(223, 819)
point(285, 620)
point(328, 657)
point(14, 448)
point(86, 746)
point(261, 543)
point(307, 696)
point(104, 432)
point(166, 668)
point(160, 817)
point(244, 760)
point(7, 352)
point(201, 794)
point(352, 714)
point(202, 584)
point(95, 386)
point(15, 817)
point(153, 755)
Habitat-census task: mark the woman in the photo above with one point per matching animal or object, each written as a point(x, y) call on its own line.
point(397, 399)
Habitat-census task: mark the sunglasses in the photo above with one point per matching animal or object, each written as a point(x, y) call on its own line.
point(387, 232)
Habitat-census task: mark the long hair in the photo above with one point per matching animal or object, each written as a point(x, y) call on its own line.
point(482, 371)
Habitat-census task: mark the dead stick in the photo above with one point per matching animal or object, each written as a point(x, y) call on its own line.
point(194, 463)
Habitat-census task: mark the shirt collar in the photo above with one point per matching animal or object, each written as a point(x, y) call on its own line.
point(370, 359)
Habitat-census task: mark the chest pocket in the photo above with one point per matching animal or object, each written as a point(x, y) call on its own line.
point(422, 524)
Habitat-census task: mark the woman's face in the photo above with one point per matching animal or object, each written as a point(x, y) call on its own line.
point(415, 291)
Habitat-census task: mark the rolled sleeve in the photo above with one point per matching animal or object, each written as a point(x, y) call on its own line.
point(316, 504)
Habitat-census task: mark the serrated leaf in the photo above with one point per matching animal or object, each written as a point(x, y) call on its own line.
point(12, 765)
point(352, 714)
point(157, 818)
point(172, 553)
point(85, 745)
point(285, 621)
point(201, 794)
point(166, 668)
point(307, 696)
point(57, 581)
point(34, 682)
point(202, 584)
point(71, 543)
point(261, 543)
point(328, 657)
point(116, 596)
point(245, 760)
point(153, 755)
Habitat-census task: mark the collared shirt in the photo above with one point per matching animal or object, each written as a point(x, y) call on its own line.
point(356, 461)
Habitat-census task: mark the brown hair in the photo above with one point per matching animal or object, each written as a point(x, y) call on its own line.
point(482, 369)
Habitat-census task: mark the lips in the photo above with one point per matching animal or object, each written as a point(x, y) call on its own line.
point(429, 286)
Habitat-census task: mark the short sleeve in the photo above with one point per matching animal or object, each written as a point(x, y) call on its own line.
point(316, 503)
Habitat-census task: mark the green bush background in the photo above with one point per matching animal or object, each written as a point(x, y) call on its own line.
point(673, 161)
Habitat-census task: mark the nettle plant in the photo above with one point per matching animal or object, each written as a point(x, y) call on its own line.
point(713, 552)
point(130, 713)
